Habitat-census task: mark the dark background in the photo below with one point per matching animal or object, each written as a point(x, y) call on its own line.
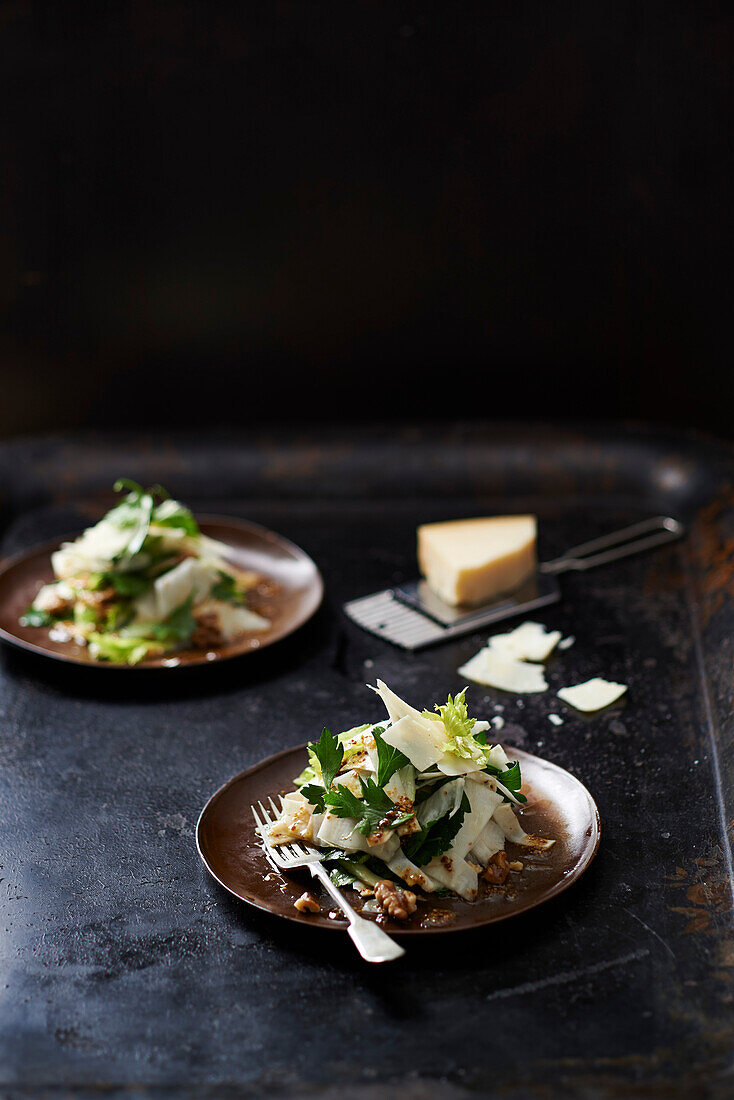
point(300, 211)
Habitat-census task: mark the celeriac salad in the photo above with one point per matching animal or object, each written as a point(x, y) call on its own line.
point(144, 582)
point(420, 799)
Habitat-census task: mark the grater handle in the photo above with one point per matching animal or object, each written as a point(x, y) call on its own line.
point(618, 544)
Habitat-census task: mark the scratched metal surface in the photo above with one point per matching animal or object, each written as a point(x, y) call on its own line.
point(125, 970)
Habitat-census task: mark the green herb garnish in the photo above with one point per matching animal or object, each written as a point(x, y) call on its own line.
point(226, 589)
point(510, 777)
point(326, 757)
point(32, 617)
point(389, 759)
point(370, 810)
point(435, 837)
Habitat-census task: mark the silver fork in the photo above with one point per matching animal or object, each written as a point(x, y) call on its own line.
point(373, 944)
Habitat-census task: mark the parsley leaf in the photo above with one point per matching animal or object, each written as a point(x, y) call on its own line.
point(226, 589)
point(173, 514)
point(129, 585)
point(370, 811)
point(389, 759)
point(328, 754)
point(136, 511)
point(178, 627)
point(32, 617)
point(436, 837)
point(510, 778)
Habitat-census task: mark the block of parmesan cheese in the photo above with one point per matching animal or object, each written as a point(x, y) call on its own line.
point(468, 562)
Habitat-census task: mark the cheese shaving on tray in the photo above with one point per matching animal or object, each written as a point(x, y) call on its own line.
point(593, 695)
point(503, 663)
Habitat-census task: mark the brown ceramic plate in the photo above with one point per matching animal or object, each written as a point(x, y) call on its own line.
point(293, 597)
point(559, 806)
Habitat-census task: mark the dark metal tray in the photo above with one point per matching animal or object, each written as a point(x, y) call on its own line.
point(126, 971)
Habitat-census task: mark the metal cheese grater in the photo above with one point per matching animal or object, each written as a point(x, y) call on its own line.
point(413, 617)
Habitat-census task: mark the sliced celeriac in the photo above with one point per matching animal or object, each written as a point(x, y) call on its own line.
point(401, 785)
point(230, 619)
point(513, 830)
point(190, 578)
point(593, 694)
point(440, 802)
point(455, 874)
point(401, 866)
point(483, 802)
point(342, 832)
point(490, 841)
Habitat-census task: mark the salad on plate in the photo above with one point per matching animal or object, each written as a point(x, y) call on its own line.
point(419, 800)
point(145, 582)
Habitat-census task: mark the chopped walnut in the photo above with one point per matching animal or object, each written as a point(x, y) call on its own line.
point(98, 599)
point(395, 901)
point(307, 904)
point(207, 633)
point(515, 865)
point(497, 869)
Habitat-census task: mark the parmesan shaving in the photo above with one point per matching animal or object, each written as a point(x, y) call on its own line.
point(593, 695)
point(528, 642)
point(500, 670)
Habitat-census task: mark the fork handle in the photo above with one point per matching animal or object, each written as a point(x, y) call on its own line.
point(373, 944)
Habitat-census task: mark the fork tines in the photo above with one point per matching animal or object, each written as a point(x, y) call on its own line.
point(284, 853)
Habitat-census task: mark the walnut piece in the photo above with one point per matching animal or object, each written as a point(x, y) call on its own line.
point(497, 869)
point(307, 904)
point(97, 599)
point(207, 633)
point(395, 901)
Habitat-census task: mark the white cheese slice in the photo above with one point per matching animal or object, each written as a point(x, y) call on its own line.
point(174, 587)
point(92, 552)
point(555, 719)
point(451, 764)
point(528, 642)
point(592, 695)
point(500, 670)
point(233, 621)
point(415, 737)
point(396, 707)
point(469, 561)
point(497, 757)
